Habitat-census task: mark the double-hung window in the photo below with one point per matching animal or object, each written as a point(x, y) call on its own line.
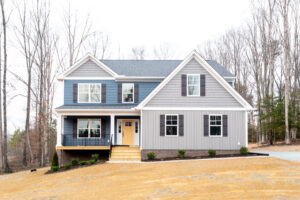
point(127, 92)
point(89, 128)
point(215, 125)
point(171, 123)
point(89, 93)
point(193, 84)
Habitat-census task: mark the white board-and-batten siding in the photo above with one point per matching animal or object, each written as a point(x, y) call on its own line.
point(216, 95)
point(193, 131)
point(89, 69)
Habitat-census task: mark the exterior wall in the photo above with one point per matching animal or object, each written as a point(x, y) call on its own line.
point(68, 133)
point(193, 132)
point(89, 69)
point(216, 94)
point(189, 153)
point(111, 90)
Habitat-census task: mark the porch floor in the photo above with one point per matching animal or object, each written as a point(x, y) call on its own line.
point(83, 148)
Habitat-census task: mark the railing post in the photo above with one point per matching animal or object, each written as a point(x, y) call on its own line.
point(59, 130)
point(112, 128)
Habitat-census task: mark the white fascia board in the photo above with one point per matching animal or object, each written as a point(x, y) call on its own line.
point(89, 78)
point(83, 60)
point(194, 54)
point(195, 108)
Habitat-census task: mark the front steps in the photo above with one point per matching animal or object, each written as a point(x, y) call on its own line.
point(119, 153)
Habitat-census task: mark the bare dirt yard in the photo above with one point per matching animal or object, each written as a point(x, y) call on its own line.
point(278, 147)
point(235, 178)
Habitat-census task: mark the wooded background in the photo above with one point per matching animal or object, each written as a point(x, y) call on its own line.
point(263, 53)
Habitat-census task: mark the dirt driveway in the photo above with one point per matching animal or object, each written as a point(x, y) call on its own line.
point(239, 178)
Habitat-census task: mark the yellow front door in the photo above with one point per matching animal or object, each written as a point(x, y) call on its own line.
point(128, 134)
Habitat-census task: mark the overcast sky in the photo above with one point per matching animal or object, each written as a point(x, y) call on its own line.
point(181, 24)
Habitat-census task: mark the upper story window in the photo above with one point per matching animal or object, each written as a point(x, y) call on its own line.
point(89, 93)
point(171, 125)
point(193, 84)
point(127, 92)
point(89, 128)
point(215, 125)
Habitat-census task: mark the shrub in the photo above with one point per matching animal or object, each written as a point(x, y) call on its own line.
point(54, 168)
point(55, 160)
point(95, 157)
point(151, 156)
point(244, 150)
point(74, 161)
point(67, 166)
point(82, 163)
point(181, 153)
point(212, 153)
point(91, 162)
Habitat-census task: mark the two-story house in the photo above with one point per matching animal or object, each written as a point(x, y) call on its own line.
point(128, 108)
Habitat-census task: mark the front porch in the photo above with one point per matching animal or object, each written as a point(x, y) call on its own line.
point(97, 131)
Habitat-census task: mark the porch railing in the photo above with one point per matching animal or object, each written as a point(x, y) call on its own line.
point(70, 141)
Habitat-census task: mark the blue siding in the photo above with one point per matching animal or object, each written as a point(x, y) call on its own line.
point(111, 90)
point(70, 141)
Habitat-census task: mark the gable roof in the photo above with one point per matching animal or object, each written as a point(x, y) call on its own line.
point(155, 68)
point(194, 55)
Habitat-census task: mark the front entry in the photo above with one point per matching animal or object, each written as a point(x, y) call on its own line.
point(128, 131)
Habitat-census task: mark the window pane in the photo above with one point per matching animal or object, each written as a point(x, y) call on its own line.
point(193, 90)
point(83, 133)
point(193, 79)
point(83, 88)
point(136, 127)
point(127, 88)
point(212, 117)
point(95, 97)
point(94, 123)
point(171, 130)
point(83, 124)
point(83, 97)
point(95, 88)
point(95, 132)
point(127, 97)
point(218, 117)
point(120, 127)
point(215, 130)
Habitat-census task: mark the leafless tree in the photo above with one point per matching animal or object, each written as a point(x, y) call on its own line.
point(4, 27)
point(138, 53)
point(98, 44)
point(164, 52)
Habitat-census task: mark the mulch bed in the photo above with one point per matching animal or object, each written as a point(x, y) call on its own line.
point(62, 169)
point(250, 154)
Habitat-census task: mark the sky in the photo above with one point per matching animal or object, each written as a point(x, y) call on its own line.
point(183, 25)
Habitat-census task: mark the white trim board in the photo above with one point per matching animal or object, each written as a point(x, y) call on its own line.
point(195, 108)
point(194, 55)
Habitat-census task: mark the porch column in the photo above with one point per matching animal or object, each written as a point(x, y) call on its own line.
point(112, 128)
point(60, 126)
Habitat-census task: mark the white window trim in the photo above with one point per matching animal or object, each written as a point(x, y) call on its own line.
point(88, 128)
point(132, 93)
point(138, 126)
point(89, 84)
point(215, 125)
point(187, 85)
point(171, 125)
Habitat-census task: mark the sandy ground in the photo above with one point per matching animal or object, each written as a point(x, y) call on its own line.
point(279, 147)
point(238, 178)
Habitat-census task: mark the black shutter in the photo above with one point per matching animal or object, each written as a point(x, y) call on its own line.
point(202, 85)
point(120, 93)
point(206, 126)
point(136, 93)
point(75, 93)
point(183, 84)
point(225, 125)
point(74, 128)
point(181, 125)
point(103, 93)
point(162, 125)
point(103, 128)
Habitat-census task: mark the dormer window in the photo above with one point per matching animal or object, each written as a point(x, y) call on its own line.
point(89, 93)
point(127, 92)
point(193, 85)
